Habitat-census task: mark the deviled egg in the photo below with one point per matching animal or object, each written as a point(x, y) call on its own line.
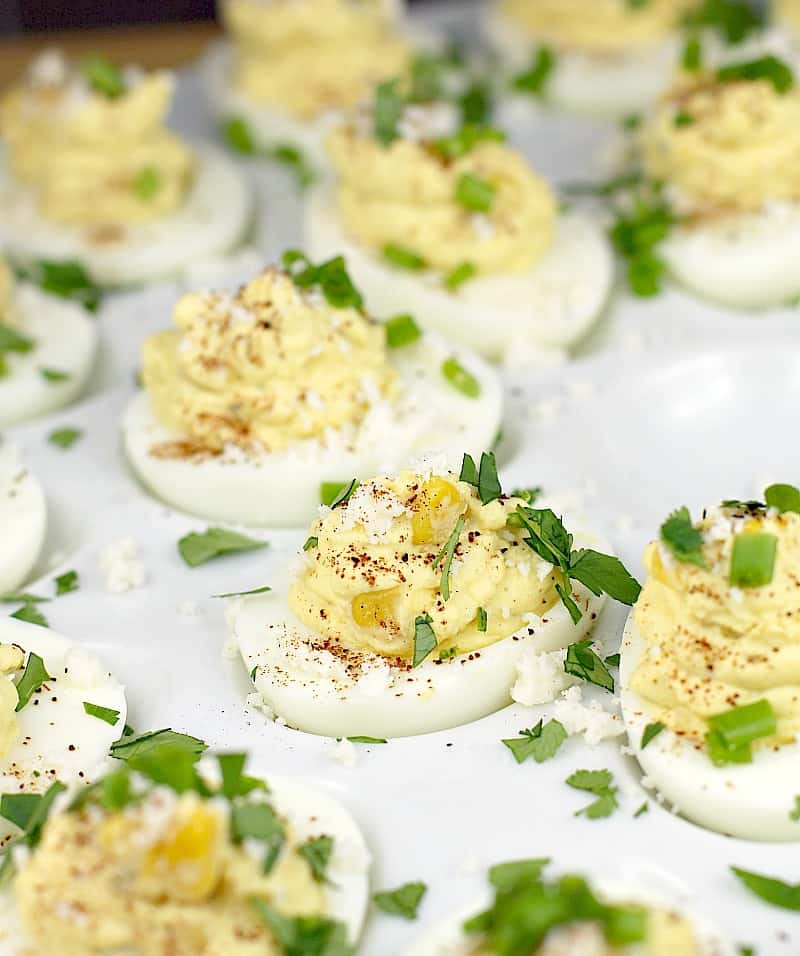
point(293, 67)
point(47, 349)
point(90, 174)
point(605, 57)
point(163, 857)
point(60, 711)
point(449, 222)
point(724, 144)
point(568, 915)
point(413, 602)
point(23, 518)
point(709, 667)
point(257, 400)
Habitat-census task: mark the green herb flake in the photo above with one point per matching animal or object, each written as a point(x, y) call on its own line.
point(387, 111)
point(540, 742)
point(461, 379)
point(334, 494)
point(331, 277)
point(54, 376)
point(317, 853)
point(424, 639)
point(482, 619)
point(794, 813)
point(692, 58)
point(534, 79)
point(305, 935)
point(237, 136)
point(104, 77)
point(197, 548)
point(599, 783)
point(505, 876)
point(458, 276)
point(132, 745)
point(30, 614)
point(403, 901)
point(67, 582)
point(402, 330)
point(733, 20)
point(13, 341)
point(403, 258)
point(67, 279)
point(474, 193)
point(24, 597)
point(295, 161)
point(64, 437)
point(235, 783)
point(776, 892)
point(642, 810)
point(651, 731)
point(465, 140)
point(783, 498)
point(147, 183)
point(258, 821)
point(29, 811)
point(582, 662)
point(612, 660)
point(445, 558)
point(33, 677)
point(732, 733)
point(311, 543)
point(682, 539)
point(363, 739)
point(682, 118)
point(102, 713)
point(768, 68)
point(752, 560)
point(232, 594)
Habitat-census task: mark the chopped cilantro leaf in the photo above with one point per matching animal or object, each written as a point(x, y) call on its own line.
point(445, 558)
point(403, 258)
point(34, 675)
point(238, 136)
point(683, 540)
point(29, 811)
point(424, 639)
point(54, 375)
point(305, 935)
point(474, 193)
point(783, 498)
point(106, 714)
point(403, 901)
point(31, 615)
point(582, 662)
point(104, 77)
point(534, 79)
point(540, 742)
point(64, 437)
point(147, 183)
point(465, 140)
point(387, 111)
point(505, 876)
point(650, 732)
point(235, 783)
point(197, 548)
point(599, 783)
point(768, 68)
point(460, 378)
point(776, 892)
point(67, 279)
point(317, 853)
point(13, 341)
point(330, 276)
point(401, 330)
point(458, 276)
point(133, 745)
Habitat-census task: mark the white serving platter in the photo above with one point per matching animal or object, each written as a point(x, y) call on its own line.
point(670, 402)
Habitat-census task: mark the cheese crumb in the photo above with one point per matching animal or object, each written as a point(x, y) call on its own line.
point(540, 677)
point(122, 565)
point(592, 720)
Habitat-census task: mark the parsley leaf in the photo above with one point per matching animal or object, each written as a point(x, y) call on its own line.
point(106, 714)
point(603, 573)
point(235, 783)
point(295, 161)
point(330, 276)
point(636, 234)
point(13, 341)
point(776, 892)
point(34, 675)
point(238, 136)
point(317, 853)
point(650, 732)
point(733, 20)
point(683, 540)
point(483, 478)
point(363, 739)
point(387, 111)
point(465, 140)
point(305, 935)
point(534, 79)
point(582, 662)
point(599, 783)
point(505, 876)
point(134, 745)
point(403, 258)
point(30, 614)
point(403, 901)
point(769, 68)
point(67, 582)
point(29, 811)
point(67, 279)
point(474, 193)
point(424, 639)
point(783, 497)
point(147, 183)
point(540, 742)
point(197, 548)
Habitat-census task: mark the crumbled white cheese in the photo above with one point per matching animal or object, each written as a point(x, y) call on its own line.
point(255, 701)
point(540, 677)
point(373, 507)
point(123, 567)
point(737, 595)
point(592, 720)
point(344, 752)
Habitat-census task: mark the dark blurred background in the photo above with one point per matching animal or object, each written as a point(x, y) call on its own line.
point(22, 16)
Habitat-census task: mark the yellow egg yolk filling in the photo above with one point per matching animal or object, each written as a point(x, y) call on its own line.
point(788, 11)
point(306, 57)
point(95, 161)
point(272, 365)
point(6, 290)
point(379, 562)
point(599, 27)
point(708, 647)
point(732, 145)
point(406, 194)
point(160, 876)
point(11, 660)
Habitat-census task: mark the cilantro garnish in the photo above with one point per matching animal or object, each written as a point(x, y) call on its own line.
point(238, 136)
point(29, 811)
point(445, 558)
point(636, 235)
point(197, 548)
point(424, 639)
point(540, 742)
point(684, 541)
point(133, 745)
point(34, 675)
point(258, 821)
point(403, 258)
point(650, 732)
point(475, 103)
point(387, 111)
point(295, 161)
point(235, 783)
point(403, 901)
point(104, 77)
point(363, 739)
point(505, 876)
point(54, 375)
point(612, 660)
point(599, 783)
point(67, 279)
point(465, 140)
point(776, 892)
point(768, 68)
point(692, 59)
point(64, 437)
point(474, 193)
point(484, 478)
point(402, 330)
point(331, 277)
point(305, 935)
point(231, 594)
point(582, 662)
point(783, 498)
point(534, 79)
point(106, 714)
point(482, 619)
point(641, 811)
point(458, 276)
point(30, 614)
point(147, 183)
point(733, 20)
point(317, 853)
point(13, 341)
point(426, 78)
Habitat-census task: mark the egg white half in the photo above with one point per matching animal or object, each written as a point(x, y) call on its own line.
point(65, 341)
point(23, 518)
point(58, 740)
point(212, 220)
point(311, 813)
point(752, 801)
point(282, 489)
point(550, 307)
point(611, 86)
point(447, 938)
point(748, 261)
point(315, 691)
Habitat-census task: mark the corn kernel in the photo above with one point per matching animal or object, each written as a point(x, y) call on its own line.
point(375, 608)
point(436, 508)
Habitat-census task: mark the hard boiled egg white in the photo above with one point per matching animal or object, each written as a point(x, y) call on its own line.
point(612, 86)
point(55, 371)
point(315, 690)
point(449, 939)
point(747, 260)
point(552, 306)
point(57, 739)
point(753, 801)
point(283, 488)
point(23, 518)
point(211, 221)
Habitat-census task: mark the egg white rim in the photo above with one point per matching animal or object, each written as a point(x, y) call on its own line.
point(25, 517)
